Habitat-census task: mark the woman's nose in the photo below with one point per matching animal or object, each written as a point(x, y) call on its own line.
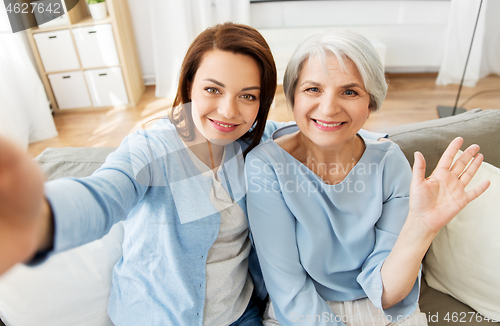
point(329, 104)
point(228, 108)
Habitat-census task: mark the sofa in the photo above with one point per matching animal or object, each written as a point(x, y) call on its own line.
point(72, 288)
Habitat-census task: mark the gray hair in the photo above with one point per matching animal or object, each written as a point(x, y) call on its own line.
point(343, 44)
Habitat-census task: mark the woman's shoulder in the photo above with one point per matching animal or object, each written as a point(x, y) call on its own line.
point(389, 159)
point(288, 141)
point(268, 153)
point(387, 153)
point(274, 126)
point(263, 150)
point(162, 130)
point(160, 139)
point(385, 146)
point(279, 139)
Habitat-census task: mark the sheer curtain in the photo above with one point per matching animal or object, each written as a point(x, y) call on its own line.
point(485, 55)
point(24, 110)
point(175, 24)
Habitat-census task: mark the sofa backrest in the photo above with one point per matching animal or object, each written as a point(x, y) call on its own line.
point(432, 137)
point(75, 162)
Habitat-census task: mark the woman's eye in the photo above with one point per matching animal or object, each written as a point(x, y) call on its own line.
point(212, 90)
point(350, 92)
point(249, 97)
point(312, 89)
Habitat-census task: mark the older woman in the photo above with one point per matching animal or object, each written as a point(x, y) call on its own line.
point(338, 238)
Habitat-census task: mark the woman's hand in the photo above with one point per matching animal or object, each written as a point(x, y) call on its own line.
point(25, 215)
point(436, 200)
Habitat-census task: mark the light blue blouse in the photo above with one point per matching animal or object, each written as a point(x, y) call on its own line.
point(170, 224)
point(318, 242)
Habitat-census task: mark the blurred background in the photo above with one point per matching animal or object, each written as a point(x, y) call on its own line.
point(89, 80)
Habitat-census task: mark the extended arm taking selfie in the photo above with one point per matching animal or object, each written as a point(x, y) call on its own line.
point(25, 216)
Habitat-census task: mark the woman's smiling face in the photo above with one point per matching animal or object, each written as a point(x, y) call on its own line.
point(330, 106)
point(225, 95)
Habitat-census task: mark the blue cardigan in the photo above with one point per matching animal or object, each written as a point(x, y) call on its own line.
point(151, 183)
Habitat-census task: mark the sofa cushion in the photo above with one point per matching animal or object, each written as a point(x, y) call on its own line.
point(464, 258)
point(432, 137)
point(443, 310)
point(72, 287)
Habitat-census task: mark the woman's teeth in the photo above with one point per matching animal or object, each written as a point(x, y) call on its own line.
point(223, 125)
point(328, 124)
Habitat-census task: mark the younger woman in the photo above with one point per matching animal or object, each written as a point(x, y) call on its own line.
point(179, 187)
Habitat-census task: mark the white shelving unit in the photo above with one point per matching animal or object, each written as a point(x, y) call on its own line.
point(87, 64)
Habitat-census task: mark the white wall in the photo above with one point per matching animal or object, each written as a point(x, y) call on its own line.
point(413, 31)
point(139, 10)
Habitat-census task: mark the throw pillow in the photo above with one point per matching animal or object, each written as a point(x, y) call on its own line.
point(70, 288)
point(464, 259)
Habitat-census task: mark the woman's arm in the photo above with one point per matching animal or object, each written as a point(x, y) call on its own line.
point(290, 288)
point(433, 203)
point(85, 209)
point(65, 213)
point(391, 188)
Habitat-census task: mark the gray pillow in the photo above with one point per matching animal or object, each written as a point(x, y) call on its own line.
point(72, 161)
point(432, 137)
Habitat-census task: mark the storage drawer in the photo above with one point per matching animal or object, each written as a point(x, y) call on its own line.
point(96, 46)
point(57, 51)
point(70, 90)
point(106, 86)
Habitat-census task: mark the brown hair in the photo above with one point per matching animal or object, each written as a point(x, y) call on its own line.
point(235, 38)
